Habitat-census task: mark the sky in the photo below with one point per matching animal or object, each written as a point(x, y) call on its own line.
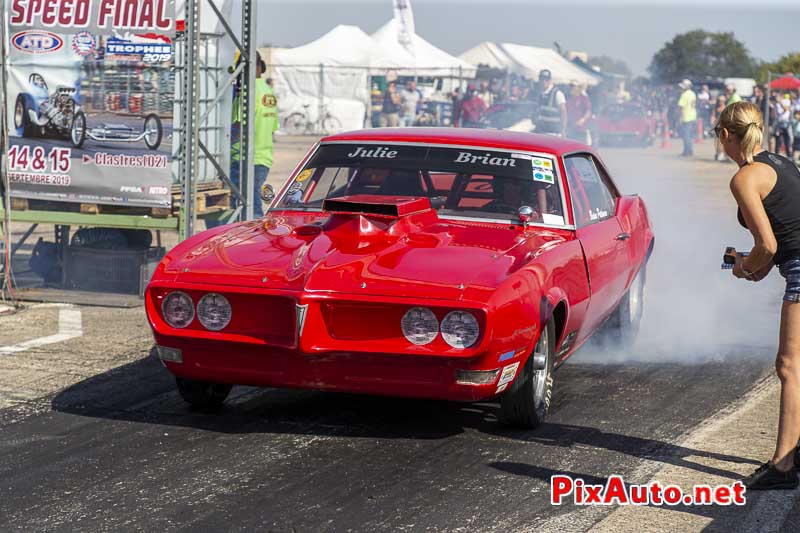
point(629, 30)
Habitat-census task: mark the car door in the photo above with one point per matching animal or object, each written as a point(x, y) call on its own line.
point(604, 243)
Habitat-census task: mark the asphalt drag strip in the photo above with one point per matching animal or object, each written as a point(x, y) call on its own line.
point(120, 450)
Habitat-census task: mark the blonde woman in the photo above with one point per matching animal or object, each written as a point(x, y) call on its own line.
point(767, 189)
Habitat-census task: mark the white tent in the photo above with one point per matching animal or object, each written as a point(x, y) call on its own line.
point(425, 58)
point(336, 65)
point(528, 61)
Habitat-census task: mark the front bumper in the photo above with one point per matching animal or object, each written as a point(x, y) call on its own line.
point(296, 341)
point(377, 374)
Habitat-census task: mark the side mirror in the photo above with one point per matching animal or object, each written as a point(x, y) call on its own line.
point(525, 214)
point(267, 193)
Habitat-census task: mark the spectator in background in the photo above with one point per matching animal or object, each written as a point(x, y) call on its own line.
point(731, 95)
point(687, 103)
point(621, 94)
point(579, 111)
point(410, 98)
point(796, 132)
point(783, 126)
point(391, 107)
point(552, 114)
point(704, 107)
point(472, 109)
point(758, 96)
point(716, 111)
point(456, 98)
point(376, 105)
point(486, 94)
point(265, 124)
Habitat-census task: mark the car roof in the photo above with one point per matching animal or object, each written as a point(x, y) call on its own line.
point(487, 138)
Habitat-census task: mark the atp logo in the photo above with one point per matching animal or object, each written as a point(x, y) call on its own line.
point(36, 41)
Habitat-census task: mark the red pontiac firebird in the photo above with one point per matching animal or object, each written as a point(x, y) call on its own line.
point(457, 264)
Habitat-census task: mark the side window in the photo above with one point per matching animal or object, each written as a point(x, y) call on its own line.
point(592, 198)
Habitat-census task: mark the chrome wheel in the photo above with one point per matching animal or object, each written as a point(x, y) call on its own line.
point(526, 403)
point(637, 294)
point(541, 372)
point(153, 131)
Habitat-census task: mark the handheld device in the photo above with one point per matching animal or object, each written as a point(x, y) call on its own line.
point(729, 257)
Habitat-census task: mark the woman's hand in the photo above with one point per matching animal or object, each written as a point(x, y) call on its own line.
point(741, 272)
point(738, 271)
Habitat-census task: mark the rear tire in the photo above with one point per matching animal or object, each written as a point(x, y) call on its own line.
point(22, 122)
point(154, 131)
point(623, 325)
point(77, 132)
point(202, 394)
point(527, 402)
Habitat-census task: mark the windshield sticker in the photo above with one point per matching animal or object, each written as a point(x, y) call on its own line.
point(553, 220)
point(380, 152)
point(543, 176)
point(485, 159)
point(522, 156)
point(304, 175)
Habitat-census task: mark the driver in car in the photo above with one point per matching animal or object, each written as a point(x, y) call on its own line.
point(513, 193)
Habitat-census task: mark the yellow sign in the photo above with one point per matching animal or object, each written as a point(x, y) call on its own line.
point(304, 175)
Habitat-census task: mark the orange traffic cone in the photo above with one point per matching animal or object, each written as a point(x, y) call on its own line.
point(665, 139)
point(699, 138)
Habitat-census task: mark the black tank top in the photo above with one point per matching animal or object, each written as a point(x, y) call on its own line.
point(782, 205)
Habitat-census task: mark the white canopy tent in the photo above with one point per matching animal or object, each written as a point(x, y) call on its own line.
point(528, 61)
point(425, 59)
point(339, 64)
point(336, 65)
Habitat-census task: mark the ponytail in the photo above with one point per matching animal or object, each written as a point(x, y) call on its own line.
point(744, 120)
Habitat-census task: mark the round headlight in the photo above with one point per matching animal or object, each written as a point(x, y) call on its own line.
point(214, 311)
point(460, 329)
point(419, 325)
point(178, 309)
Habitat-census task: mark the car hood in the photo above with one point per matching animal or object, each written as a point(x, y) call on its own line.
point(359, 254)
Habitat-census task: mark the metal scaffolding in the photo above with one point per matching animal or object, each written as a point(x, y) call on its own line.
point(243, 77)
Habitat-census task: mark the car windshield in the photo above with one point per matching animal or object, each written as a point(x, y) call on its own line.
point(466, 182)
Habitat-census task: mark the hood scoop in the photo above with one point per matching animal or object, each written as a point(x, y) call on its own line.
point(382, 206)
point(361, 221)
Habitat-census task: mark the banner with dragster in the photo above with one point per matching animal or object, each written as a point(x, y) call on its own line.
point(90, 100)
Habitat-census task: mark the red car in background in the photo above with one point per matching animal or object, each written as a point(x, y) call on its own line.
point(626, 124)
point(456, 264)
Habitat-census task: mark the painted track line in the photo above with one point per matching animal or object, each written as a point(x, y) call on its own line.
point(70, 326)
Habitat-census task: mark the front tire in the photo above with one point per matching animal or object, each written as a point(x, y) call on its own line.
point(527, 402)
point(202, 394)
